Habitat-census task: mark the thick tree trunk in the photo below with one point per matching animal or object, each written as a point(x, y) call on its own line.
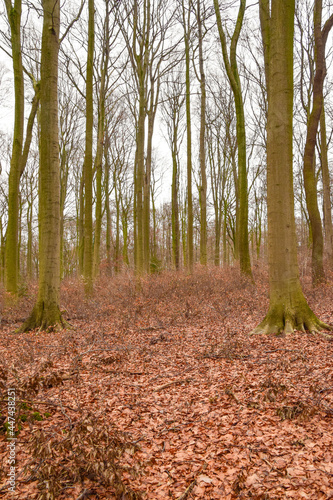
point(288, 309)
point(46, 313)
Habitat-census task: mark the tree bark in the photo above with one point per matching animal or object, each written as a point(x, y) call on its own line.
point(326, 189)
point(19, 152)
point(288, 308)
point(186, 23)
point(107, 204)
point(46, 313)
point(147, 185)
point(174, 200)
point(11, 249)
point(98, 170)
point(202, 148)
point(80, 226)
point(138, 185)
point(63, 193)
point(233, 76)
point(88, 158)
point(310, 183)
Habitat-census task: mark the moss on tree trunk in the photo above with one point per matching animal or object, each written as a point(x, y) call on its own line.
point(44, 316)
point(288, 308)
point(290, 311)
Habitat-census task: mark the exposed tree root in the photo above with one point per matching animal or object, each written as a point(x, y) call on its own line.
point(282, 321)
point(43, 318)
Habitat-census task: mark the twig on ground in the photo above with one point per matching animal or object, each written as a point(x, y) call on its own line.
point(85, 494)
point(188, 490)
point(169, 384)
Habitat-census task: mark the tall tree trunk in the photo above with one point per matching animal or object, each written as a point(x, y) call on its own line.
point(46, 312)
point(2, 252)
point(19, 153)
point(146, 193)
point(100, 143)
point(224, 240)
point(88, 158)
point(63, 193)
point(139, 56)
point(154, 226)
point(11, 255)
point(174, 201)
point(217, 240)
point(187, 26)
point(107, 205)
point(184, 233)
point(98, 216)
point(288, 308)
point(80, 225)
point(138, 184)
point(117, 242)
point(19, 242)
point(202, 149)
point(233, 76)
point(310, 184)
point(29, 242)
point(326, 189)
point(124, 221)
point(236, 186)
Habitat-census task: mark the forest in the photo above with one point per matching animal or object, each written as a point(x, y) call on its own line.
point(166, 249)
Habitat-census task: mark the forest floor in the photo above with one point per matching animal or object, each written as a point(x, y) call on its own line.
point(160, 393)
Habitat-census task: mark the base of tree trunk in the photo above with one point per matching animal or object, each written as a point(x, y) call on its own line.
point(47, 319)
point(282, 320)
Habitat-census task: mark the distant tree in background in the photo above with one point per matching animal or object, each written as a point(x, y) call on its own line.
point(310, 181)
point(186, 21)
point(88, 155)
point(230, 62)
point(20, 149)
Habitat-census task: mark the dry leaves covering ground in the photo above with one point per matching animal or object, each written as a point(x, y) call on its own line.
point(160, 393)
